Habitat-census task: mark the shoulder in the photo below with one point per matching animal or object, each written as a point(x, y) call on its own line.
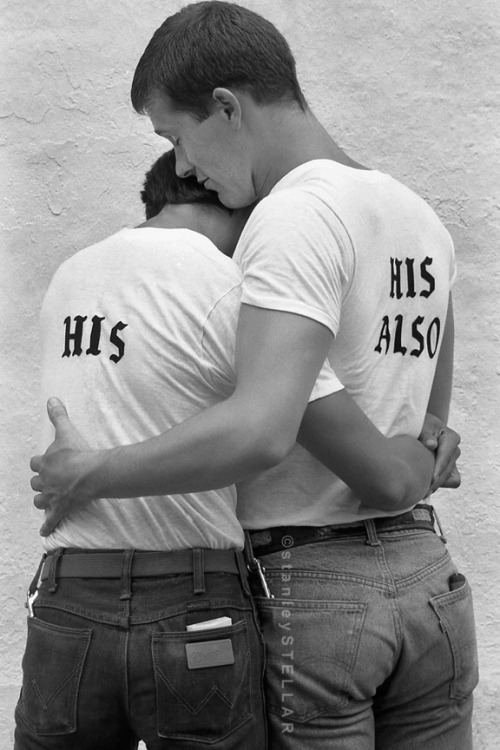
point(103, 249)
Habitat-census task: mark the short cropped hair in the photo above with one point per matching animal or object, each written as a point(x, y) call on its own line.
point(162, 186)
point(211, 44)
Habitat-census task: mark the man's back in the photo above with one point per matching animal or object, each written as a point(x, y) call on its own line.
point(367, 258)
point(138, 335)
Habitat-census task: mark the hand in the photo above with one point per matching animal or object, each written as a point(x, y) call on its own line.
point(444, 442)
point(59, 470)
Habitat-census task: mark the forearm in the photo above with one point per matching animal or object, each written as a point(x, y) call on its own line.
point(440, 396)
point(216, 448)
point(410, 468)
point(384, 473)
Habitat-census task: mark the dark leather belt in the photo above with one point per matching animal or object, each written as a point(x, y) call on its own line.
point(279, 538)
point(90, 564)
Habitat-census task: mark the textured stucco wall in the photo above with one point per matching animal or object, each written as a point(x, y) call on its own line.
point(407, 87)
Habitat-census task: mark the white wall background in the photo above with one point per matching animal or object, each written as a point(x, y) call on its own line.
point(408, 87)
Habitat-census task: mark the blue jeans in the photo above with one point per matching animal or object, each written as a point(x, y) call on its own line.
point(367, 645)
point(106, 664)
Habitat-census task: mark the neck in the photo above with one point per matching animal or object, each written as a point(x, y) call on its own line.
point(288, 138)
point(179, 216)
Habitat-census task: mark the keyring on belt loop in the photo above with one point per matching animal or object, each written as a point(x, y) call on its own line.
point(254, 565)
point(32, 592)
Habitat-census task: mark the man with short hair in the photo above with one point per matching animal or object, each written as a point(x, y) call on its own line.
point(143, 626)
point(342, 262)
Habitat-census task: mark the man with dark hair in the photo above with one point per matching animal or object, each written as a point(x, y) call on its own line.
point(342, 262)
point(143, 626)
point(162, 187)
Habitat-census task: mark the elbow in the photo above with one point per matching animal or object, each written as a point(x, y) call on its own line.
point(270, 453)
point(269, 450)
point(396, 492)
point(263, 438)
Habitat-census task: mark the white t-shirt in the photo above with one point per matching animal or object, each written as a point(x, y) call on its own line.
point(362, 254)
point(138, 335)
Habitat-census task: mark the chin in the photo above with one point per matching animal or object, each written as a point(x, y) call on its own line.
point(236, 201)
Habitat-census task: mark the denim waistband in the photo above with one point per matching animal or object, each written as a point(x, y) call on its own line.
point(267, 541)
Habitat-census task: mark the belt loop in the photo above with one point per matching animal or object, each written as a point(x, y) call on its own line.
point(198, 572)
point(243, 572)
point(53, 569)
point(371, 531)
point(126, 577)
point(435, 518)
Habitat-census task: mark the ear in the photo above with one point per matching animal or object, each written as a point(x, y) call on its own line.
point(228, 105)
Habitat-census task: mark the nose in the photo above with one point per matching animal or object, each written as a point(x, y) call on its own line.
point(183, 168)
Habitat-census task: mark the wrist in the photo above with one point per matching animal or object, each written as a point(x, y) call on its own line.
point(88, 484)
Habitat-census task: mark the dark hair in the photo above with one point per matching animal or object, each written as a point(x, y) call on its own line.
point(210, 44)
point(162, 186)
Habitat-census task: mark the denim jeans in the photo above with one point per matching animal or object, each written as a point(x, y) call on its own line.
point(106, 664)
point(368, 646)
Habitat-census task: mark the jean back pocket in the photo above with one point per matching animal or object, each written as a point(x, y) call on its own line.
point(203, 682)
point(52, 668)
point(312, 649)
point(456, 618)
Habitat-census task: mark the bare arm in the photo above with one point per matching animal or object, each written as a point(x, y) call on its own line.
point(435, 435)
point(279, 356)
point(385, 473)
point(439, 400)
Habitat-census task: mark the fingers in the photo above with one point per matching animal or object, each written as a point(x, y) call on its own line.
point(449, 477)
point(431, 430)
point(40, 501)
point(50, 523)
point(36, 483)
point(447, 454)
point(36, 463)
point(454, 479)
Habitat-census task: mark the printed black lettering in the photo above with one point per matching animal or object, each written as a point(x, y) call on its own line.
point(396, 278)
point(417, 336)
point(433, 345)
point(426, 340)
point(385, 335)
point(410, 275)
point(428, 277)
point(95, 336)
point(398, 347)
point(75, 337)
point(117, 341)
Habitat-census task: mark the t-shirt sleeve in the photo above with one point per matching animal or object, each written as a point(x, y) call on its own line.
point(296, 256)
point(326, 383)
point(217, 361)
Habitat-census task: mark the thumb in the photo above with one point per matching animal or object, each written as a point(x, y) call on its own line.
point(66, 433)
point(58, 414)
point(429, 439)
